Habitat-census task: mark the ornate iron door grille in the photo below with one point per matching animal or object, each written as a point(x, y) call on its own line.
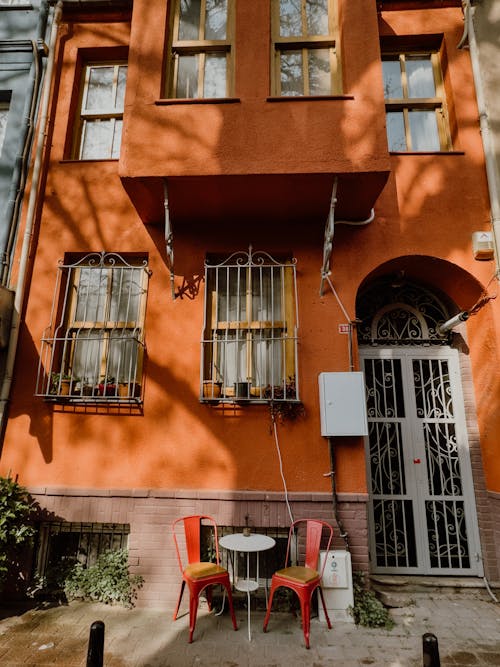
point(421, 503)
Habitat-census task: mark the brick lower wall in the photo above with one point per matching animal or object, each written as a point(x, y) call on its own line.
point(150, 514)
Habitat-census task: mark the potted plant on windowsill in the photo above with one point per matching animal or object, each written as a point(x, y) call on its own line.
point(107, 386)
point(60, 384)
point(283, 403)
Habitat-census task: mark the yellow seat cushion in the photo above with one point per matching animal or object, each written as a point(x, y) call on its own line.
point(303, 575)
point(202, 570)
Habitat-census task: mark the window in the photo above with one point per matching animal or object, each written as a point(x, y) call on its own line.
point(14, 2)
point(4, 112)
point(415, 108)
point(96, 348)
point(249, 344)
point(100, 123)
point(305, 48)
point(201, 49)
point(61, 544)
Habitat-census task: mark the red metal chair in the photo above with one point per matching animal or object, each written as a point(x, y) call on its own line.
point(303, 579)
point(197, 574)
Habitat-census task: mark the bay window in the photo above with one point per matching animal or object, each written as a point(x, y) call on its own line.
point(305, 48)
point(200, 63)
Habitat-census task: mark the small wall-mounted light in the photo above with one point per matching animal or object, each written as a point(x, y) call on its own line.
point(453, 322)
point(482, 245)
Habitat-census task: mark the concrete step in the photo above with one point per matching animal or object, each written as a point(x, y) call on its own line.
point(400, 591)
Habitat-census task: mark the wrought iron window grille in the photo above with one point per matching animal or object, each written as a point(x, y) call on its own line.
point(94, 347)
point(249, 340)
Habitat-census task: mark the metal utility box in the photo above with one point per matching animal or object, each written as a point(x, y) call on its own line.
point(342, 403)
point(337, 586)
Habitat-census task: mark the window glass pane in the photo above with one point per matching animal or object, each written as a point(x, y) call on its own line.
point(420, 77)
point(292, 80)
point(317, 17)
point(231, 294)
point(189, 20)
point(266, 294)
point(290, 18)
point(424, 131)
point(91, 295)
point(120, 92)
point(231, 357)
point(216, 19)
point(392, 79)
point(97, 139)
point(117, 138)
point(87, 355)
point(126, 293)
point(187, 76)
point(100, 89)
point(122, 356)
point(214, 84)
point(267, 358)
point(396, 131)
point(319, 72)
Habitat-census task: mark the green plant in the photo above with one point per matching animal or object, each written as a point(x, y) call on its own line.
point(107, 581)
point(16, 529)
point(283, 403)
point(55, 381)
point(367, 609)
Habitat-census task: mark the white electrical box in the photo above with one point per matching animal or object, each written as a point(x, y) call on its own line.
point(482, 245)
point(337, 585)
point(342, 404)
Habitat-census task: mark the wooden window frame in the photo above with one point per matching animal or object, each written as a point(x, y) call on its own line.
point(107, 326)
point(200, 47)
point(85, 115)
point(305, 43)
point(407, 103)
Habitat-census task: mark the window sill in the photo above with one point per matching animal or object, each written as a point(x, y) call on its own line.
point(198, 100)
point(97, 159)
point(308, 98)
point(427, 152)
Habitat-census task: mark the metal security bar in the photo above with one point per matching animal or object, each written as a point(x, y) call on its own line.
point(249, 343)
point(67, 542)
point(93, 349)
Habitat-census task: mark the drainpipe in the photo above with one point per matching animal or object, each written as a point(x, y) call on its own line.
point(30, 221)
point(489, 154)
point(18, 180)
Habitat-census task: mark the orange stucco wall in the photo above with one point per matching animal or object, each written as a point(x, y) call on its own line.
point(428, 209)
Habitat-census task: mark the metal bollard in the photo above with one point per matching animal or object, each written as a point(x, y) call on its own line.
point(430, 650)
point(95, 654)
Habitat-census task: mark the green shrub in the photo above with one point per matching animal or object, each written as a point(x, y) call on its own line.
point(16, 529)
point(107, 581)
point(367, 609)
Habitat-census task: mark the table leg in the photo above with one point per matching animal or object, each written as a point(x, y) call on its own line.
point(248, 598)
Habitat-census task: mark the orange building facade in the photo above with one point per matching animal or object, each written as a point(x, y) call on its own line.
point(295, 192)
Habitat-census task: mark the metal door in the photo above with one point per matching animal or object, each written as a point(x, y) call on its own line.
point(422, 509)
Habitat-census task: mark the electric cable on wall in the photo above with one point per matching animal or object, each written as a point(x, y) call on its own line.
point(275, 430)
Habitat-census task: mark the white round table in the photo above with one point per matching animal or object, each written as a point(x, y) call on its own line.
point(253, 543)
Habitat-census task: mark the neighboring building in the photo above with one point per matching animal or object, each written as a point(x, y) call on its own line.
point(254, 194)
point(22, 50)
point(22, 34)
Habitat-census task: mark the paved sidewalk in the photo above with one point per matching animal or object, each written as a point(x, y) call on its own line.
point(467, 625)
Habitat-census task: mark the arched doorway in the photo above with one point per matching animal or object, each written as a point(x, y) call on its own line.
point(422, 512)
